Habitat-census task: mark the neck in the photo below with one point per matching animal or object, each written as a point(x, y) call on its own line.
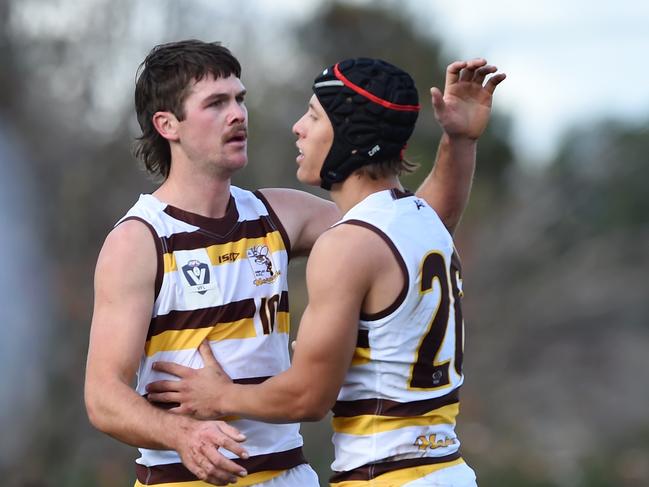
point(206, 194)
point(357, 187)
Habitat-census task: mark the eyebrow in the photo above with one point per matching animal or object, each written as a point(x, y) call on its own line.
point(220, 96)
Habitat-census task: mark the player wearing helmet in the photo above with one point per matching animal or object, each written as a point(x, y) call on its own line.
point(381, 339)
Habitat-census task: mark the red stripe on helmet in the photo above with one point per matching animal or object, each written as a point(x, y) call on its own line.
point(374, 98)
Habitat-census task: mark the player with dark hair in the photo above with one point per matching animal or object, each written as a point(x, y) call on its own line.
point(381, 339)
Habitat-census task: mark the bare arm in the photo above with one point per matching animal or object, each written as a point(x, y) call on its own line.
point(124, 293)
point(304, 216)
point(338, 283)
point(463, 111)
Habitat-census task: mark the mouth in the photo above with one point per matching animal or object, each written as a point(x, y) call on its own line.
point(237, 137)
point(300, 155)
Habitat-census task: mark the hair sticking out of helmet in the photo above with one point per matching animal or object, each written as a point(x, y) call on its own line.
point(373, 107)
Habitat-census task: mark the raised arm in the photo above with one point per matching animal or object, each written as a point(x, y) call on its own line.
point(463, 111)
point(124, 294)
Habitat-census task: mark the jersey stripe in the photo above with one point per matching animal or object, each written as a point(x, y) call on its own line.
point(250, 479)
point(224, 280)
point(379, 415)
point(259, 467)
point(394, 473)
point(192, 338)
point(362, 350)
point(218, 253)
point(393, 408)
point(368, 424)
point(203, 318)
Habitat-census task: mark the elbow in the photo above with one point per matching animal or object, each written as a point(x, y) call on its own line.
point(92, 411)
point(95, 413)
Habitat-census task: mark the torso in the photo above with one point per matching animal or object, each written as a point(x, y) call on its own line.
point(400, 396)
point(224, 280)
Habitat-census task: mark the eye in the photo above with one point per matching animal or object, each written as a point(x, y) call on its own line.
point(241, 99)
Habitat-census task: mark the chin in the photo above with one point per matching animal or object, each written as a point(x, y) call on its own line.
point(307, 179)
point(237, 163)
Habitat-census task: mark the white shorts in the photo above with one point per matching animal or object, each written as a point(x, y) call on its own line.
point(302, 475)
point(456, 476)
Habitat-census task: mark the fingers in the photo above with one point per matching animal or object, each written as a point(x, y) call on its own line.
point(234, 447)
point(453, 72)
point(494, 81)
point(206, 353)
point(231, 431)
point(475, 70)
point(209, 360)
point(482, 72)
point(172, 368)
point(163, 386)
point(469, 70)
point(214, 468)
point(219, 465)
point(164, 397)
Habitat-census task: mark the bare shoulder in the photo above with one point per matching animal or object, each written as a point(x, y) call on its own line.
point(129, 250)
point(350, 249)
point(124, 296)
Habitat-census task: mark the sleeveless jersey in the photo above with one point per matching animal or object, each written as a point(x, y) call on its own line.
point(224, 280)
point(399, 401)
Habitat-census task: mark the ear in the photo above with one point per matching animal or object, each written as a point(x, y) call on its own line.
point(166, 124)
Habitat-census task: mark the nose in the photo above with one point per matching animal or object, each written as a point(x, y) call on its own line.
point(238, 113)
point(297, 128)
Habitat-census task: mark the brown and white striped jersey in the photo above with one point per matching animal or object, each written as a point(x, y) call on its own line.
point(398, 405)
point(224, 280)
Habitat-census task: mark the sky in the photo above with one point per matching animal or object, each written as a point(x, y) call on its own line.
point(568, 62)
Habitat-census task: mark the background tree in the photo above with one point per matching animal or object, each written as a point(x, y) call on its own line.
point(554, 256)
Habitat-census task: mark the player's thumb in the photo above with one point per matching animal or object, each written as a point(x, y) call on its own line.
point(437, 99)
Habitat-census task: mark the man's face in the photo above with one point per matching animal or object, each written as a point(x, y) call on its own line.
point(214, 131)
point(315, 135)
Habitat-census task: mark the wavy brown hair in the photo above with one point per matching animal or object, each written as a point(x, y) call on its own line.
point(163, 83)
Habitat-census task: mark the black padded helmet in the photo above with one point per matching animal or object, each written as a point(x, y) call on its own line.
point(372, 106)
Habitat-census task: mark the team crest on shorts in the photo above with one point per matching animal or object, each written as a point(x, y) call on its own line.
point(262, 266)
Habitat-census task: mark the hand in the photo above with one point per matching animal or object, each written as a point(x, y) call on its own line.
point(198, 392)
point(198, 447)
point(464, 108)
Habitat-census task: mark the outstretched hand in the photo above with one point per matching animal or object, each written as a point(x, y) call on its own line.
point(197, 392)
point(464, 108)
